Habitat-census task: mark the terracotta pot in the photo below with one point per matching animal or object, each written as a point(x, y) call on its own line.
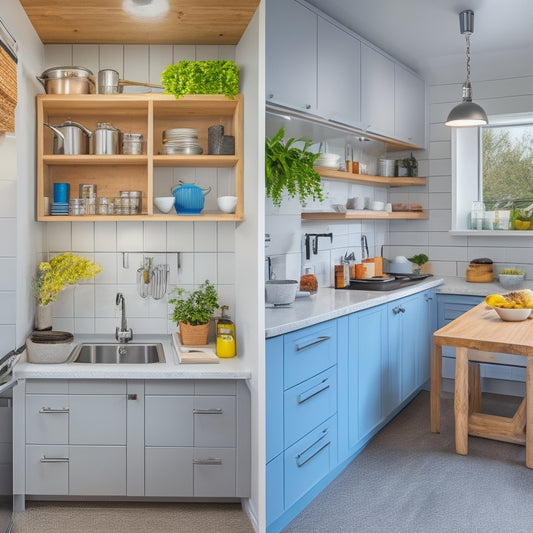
point(43, 317)
point(193, 335)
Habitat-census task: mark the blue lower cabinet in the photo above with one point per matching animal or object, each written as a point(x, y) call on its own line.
point(274, 397)
point(309, 403)
point(309, 460)
point(274, 489)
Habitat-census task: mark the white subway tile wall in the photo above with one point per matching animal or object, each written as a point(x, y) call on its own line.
point(194, 251)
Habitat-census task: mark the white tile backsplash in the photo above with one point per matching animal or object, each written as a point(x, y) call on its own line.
point(105, 237)
point(155, 236)
point(180, 236)
point(7, 338)
point(130, 236)
point(205, 267)
point(83, 237)
point(8, 237)
point(205, 237)
point(8, 198)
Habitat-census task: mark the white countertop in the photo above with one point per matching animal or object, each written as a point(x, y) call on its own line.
point(329, 303)
point(230, 368)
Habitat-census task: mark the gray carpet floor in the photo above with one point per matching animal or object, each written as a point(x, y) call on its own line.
point(107, 517)
point(410, 480)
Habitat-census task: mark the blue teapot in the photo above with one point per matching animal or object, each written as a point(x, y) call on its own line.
point(189, 198)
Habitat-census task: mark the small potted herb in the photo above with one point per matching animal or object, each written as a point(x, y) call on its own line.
point(423, 266)
point(288, 168)
point(193, 311)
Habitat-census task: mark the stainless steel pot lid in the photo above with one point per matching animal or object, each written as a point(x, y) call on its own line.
point(66, 72)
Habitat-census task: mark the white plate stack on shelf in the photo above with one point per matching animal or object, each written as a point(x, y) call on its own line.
point(328, 161)
point(183, 141)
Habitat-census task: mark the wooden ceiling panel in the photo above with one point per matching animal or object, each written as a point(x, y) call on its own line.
point(106, 21)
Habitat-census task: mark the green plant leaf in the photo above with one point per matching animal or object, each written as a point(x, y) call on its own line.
point(194, 307)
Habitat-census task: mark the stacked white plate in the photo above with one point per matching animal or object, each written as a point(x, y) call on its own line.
point(328, 161)
point(180, 141)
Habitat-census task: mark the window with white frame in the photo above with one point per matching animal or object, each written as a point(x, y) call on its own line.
point(493, 164)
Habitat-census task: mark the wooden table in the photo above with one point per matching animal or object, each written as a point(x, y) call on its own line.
point(478, 335)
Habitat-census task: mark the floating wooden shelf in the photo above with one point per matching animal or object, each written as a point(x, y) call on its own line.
point(380, 181)
point(204, 217)
point(367, 215)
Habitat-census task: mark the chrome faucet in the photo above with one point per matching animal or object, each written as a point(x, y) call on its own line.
point(123, 334)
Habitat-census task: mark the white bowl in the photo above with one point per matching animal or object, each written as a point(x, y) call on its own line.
point(164, 203)
point(281, 291)
point(378, 206)
point(512, 315)
point(511, 281)
point(227, 204)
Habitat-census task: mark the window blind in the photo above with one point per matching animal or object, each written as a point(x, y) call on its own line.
point(8, 80)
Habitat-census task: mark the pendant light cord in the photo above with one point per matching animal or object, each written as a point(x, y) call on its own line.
point(467, 37)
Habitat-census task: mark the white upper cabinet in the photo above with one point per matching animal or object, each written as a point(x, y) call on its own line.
point(339, 64)
point(291, 49)
point(410, 109)
point(377, 92)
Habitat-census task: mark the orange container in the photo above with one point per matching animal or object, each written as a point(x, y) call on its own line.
point(359, 271)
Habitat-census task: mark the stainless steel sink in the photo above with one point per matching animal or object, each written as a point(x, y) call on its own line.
point(112, 354)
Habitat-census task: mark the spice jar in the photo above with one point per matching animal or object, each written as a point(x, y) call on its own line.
point(132, 143)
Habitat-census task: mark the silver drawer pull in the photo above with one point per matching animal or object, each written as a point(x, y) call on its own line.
point(45, 459)
point(318, 340)
point(313, 450)
point(207, 411)
point(313, 391)
point(210, 461)
point(52, 410)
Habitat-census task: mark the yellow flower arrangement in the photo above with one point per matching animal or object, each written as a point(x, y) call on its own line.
point(64, 269)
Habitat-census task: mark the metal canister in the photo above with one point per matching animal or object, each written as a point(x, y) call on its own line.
point(108, 81)
point(105, 139)
point(132, 143)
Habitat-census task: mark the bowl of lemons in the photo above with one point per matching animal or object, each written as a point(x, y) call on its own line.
point(512, 307)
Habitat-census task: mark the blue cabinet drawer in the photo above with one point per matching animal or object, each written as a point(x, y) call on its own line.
point(309, 351)
point(274, 489)
point(309, 404)
point(309, 460)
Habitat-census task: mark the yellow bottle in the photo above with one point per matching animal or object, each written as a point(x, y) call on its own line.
point(226, 345)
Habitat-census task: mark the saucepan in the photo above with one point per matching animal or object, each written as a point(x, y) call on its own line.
point(110, 83)
point(67, 80)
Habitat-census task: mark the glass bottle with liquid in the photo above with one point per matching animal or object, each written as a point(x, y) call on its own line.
point(226, 344)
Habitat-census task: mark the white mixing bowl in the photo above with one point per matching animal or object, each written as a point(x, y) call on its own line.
point(227, 204)
point(164, 203)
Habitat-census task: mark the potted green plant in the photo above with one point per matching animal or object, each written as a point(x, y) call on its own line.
point(420, 260)
point(192, 312)
point(288, 168)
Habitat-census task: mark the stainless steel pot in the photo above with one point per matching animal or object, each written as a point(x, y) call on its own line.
point(71, 138)
point(105, 139)
point(67, 80)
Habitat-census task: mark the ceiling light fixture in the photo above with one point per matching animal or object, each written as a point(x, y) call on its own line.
point(467, 113)
point(145, 8)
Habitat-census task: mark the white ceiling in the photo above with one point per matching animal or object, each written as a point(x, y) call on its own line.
point(417, 31)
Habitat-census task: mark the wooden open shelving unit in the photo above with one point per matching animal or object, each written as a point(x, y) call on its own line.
point(149, 114)
point(367, 179)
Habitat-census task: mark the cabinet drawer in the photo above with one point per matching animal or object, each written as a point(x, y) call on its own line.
point(214, 421)
point(309, 351)
point(47, 470)
point(214, 472)
point(47, 419)
point(97, 470)
point(309, 460)
point(177, 387)
point(168, 420)
point(274, 489)
point(309, 404)
point(169, 471)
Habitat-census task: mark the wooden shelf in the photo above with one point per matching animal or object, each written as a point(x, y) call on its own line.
point(149, 114)
point(69, 160)
point(159, 217)
point(205, 161)
point(367, 179)
point(367, 215)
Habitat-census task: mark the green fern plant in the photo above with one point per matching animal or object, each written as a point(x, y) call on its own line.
point(290, 168)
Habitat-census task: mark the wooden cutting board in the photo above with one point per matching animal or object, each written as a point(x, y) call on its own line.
point(194, 354)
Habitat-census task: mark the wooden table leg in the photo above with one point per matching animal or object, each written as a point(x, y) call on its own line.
point(435, 387)
point(529, 413)
point(461, 401)
point(474, 387)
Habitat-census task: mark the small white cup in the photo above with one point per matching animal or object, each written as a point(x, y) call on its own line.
point(227, 204)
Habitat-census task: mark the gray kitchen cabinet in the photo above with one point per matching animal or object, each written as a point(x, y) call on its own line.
point(410, 109)
point(338, 76)
point(157, 438)
point(377, 92)
point(291, 55)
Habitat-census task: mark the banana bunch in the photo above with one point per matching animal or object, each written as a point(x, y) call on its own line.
point(512, 300)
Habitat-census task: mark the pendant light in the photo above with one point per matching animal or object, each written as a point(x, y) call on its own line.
point(467, 113)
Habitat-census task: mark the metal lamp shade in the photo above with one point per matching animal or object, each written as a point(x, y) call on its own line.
point(467, 114)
